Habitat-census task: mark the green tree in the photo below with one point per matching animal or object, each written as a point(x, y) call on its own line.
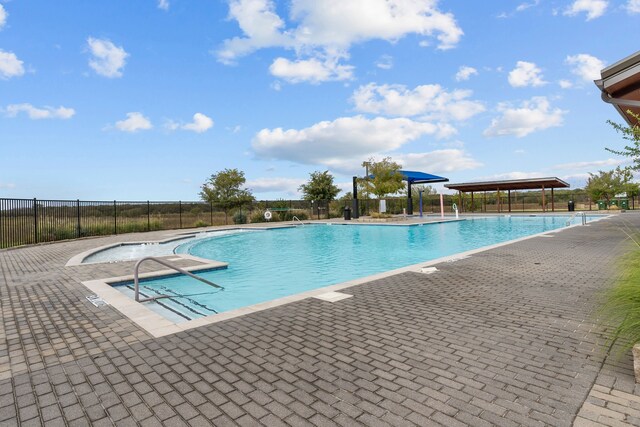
point(630, 133)
point(224, 190)
point(319, 187)
point(384, 177)
point(605, 185)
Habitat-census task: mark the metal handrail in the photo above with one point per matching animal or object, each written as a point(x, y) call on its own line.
point(583, 217)
point(136, 279)
point(295, 218)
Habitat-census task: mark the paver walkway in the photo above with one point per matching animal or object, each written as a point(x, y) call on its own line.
point(505, 337)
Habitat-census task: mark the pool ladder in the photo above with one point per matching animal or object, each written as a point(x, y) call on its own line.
point(582, 214)
point(136, 278)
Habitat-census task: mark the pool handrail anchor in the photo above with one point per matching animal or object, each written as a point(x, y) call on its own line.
point(136, 277)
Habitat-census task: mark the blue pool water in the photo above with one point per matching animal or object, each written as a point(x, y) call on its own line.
point(270, 264)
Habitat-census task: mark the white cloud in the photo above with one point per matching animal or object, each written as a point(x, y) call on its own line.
point(520, 8)
point(163, 4)
point(438, 161)
point(200, 124)
point(532, 116)
point(585, 66)
point(431, 101)
point(633, 6)
point(607, 163)
point(276, 185)
point(10, 65)
point(260, 24)
point(39, 113)
point(593, 8)
point(329, 28)
point(7, 186)
point(465, 72)
point(512, 175)
point(346, 140)
point(526, 74)
point(524, 6)
point(108, 59)
point(310, 70)
point(134, 122)
point(3, 16)
point(565, 84)
point(385, 62)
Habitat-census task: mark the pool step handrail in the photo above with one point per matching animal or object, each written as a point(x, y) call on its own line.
point(136, 277)
point(583, 216)
point(295, 218)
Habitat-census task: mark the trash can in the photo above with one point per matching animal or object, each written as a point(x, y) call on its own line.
point(602, 205)
point(572, 206)
point(347, 213)
point(613, 202)
point(624, 204)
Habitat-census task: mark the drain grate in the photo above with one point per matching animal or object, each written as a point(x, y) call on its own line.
point(97, 301)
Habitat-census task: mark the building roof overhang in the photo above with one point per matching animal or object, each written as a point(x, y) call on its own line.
point(620, 86)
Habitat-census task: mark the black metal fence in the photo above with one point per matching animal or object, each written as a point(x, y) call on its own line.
point(28, 221)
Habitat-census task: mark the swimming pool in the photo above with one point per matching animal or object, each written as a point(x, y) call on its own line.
point(270, 264)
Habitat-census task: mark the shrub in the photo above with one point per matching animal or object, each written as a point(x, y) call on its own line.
point(380, 215)
point(257, 216)
point(621, 305)
point(239, 218)
point(201, 223)
point(288, 215)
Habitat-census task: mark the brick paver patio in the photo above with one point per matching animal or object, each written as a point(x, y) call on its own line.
point(506, 337)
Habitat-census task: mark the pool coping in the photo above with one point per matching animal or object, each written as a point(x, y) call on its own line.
point(158, 326)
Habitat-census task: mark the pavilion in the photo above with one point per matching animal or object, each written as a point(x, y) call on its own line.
point(508, 185)
point(412, 177)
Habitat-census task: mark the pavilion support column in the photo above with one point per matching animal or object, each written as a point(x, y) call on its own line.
point(498, 197)
point(472, 210)
point(355, 208)
point(409, 199)
point(544, 202)
point(484, 202)
point(553, 208)
point(460, 208)
point(509, 198)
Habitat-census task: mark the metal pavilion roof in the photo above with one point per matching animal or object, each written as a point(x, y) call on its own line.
point(414, 177)
point(513, 184)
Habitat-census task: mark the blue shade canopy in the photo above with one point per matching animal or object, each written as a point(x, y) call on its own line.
point(414, 177)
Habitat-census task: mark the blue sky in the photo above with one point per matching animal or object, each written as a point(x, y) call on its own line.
point(145, 100)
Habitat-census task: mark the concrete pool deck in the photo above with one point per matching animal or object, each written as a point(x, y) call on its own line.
point(504, 337)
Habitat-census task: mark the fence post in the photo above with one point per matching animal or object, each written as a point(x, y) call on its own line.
point(211, 212)
point(115, 218)
point(148, 216)
point(180, 211)
point(78, 210)
point(35, 219)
